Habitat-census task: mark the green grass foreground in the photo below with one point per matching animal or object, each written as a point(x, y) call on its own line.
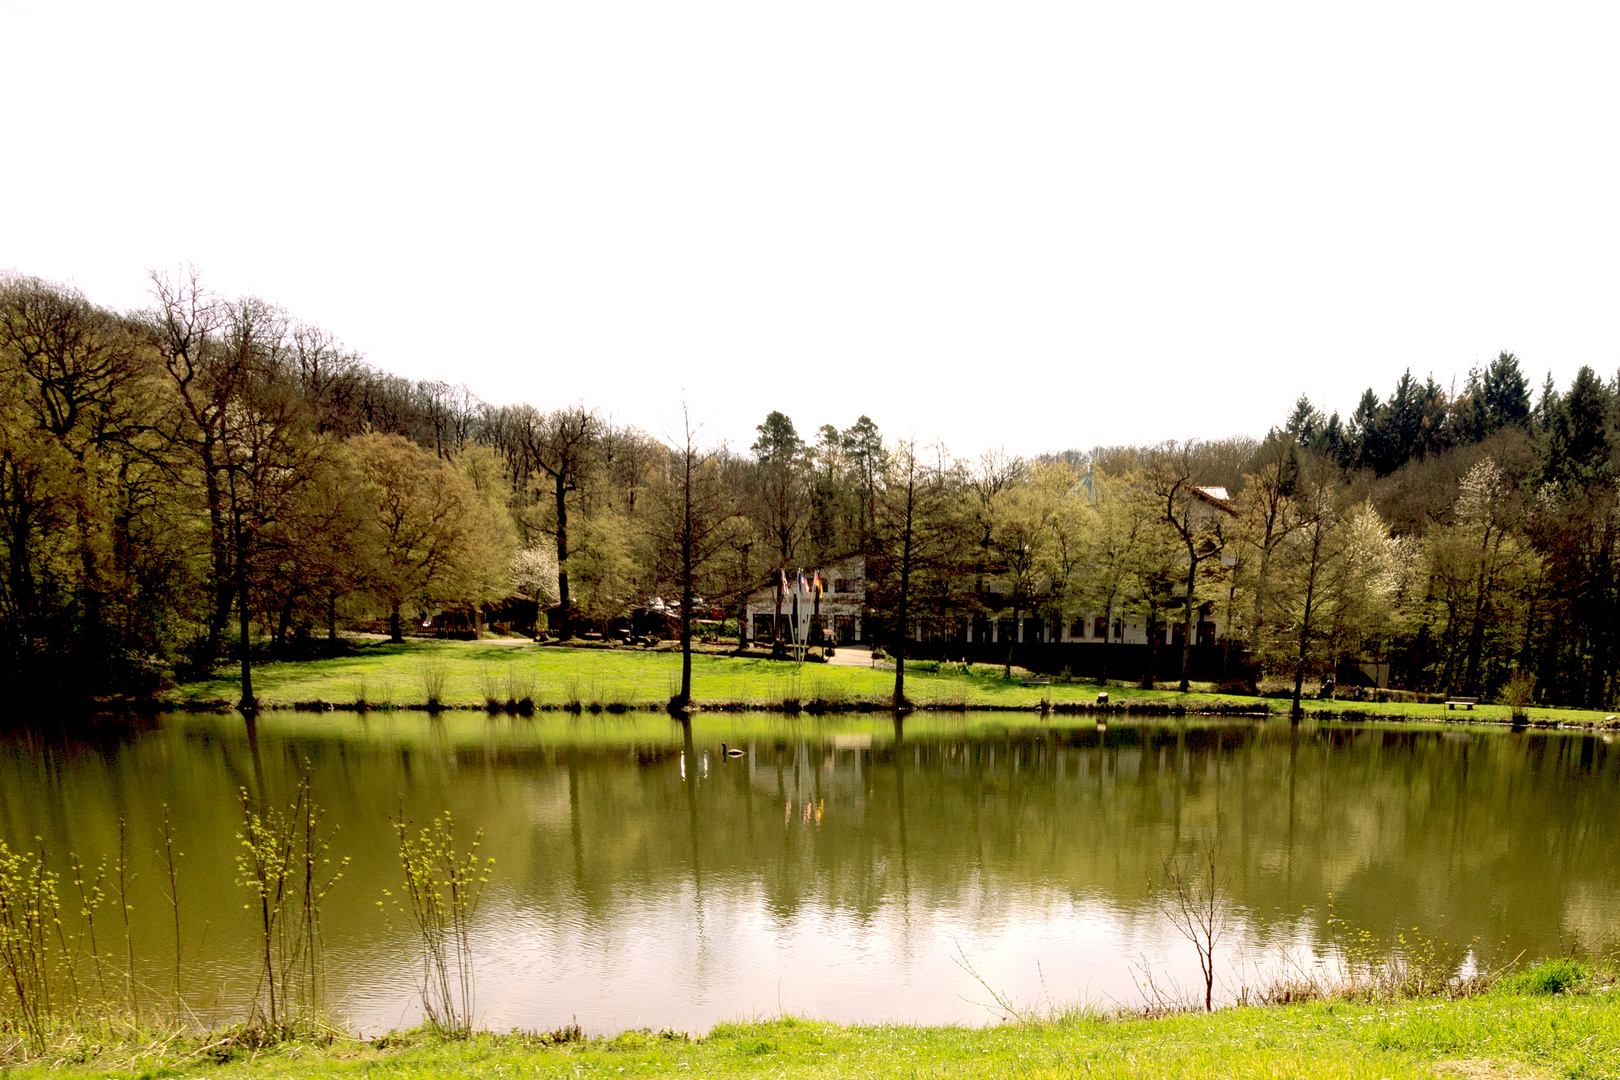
point(383, 674)
point(1500, 1034)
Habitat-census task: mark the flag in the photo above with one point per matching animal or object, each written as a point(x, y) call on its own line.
point(804, 586)
point(821, 586)
point(784, 582)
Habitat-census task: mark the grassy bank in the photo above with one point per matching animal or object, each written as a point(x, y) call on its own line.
point(382, 674)
point(1509, 1032)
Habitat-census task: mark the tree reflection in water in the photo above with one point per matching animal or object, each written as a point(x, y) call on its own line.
point(643, 879)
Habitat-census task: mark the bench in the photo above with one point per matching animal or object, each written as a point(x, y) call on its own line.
point(1466, 702)
point(1038, 680)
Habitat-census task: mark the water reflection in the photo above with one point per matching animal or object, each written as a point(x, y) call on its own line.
point(835, 868)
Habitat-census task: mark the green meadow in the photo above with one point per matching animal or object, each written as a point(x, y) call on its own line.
point(473, 672)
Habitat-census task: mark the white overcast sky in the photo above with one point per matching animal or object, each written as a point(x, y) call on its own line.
point(1027, 225)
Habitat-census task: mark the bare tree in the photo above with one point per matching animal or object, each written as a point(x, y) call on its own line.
point(693, 518)
point(184, 325)
point(1198, 519)
point(563, 446)
point(329, 378)
point(448, 414)
point(903, 534)
point(912, 546)
point(266, 453)
point(1268, 514)
point(996, 473)
point(1191, 900)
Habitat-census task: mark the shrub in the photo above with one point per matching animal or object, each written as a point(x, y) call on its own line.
point(1548, 977)
point(1519, 691)
point(435, 675)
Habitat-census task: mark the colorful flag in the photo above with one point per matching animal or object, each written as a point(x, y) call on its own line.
point(804, 586)
point(821, 586)
point(784, 582)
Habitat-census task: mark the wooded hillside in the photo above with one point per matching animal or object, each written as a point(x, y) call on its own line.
point(208, 471)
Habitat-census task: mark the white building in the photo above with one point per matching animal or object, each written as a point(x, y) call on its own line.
point(836, 617)
point(840, 615)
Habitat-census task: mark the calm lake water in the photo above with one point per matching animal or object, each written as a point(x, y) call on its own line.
point(843, 868)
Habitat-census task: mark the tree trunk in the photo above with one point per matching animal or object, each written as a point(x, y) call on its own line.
point(284, 621)
point(21, 516)
point(1007, 670)
point(905, 602)
point(687, 540)
point(248, 704)
point(1154, 631)
point(1260, 595)
point(1476, 632)
point(742, 606)
point(1187, 621)
point(395, 631)
point(1305, 623)
point(1108, 639)
point(565, 628)
point(219, 549)
point(686, 635)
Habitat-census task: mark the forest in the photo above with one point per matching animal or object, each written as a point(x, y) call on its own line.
point(209, 480)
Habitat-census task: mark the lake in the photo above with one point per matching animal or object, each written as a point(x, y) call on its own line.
point(844, 868)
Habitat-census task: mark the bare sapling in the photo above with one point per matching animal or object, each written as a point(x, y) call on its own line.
point(435, 676)
point(29, 917)
point(124, 878)
point(519, 690)
point(64, 955)
point(443, 888)
point(316, 876)
point(1191, 899)
point(263, 869)
point(91, 897)
point(169, 861)
point(285, 868)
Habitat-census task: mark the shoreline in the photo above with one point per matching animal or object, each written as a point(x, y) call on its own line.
point(1258, 711)
point(1522, 1025)
point(496, 678)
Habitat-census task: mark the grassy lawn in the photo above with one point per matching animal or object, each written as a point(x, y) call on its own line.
point(555, 675)
point(473, 670)
point(1419, 711)
point(1498, 1035)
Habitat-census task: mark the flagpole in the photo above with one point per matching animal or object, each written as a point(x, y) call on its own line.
point(796, 646)
point(815, 611)
point(776, 627)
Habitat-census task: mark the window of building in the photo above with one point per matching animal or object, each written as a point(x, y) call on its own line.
point(1099, 628)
